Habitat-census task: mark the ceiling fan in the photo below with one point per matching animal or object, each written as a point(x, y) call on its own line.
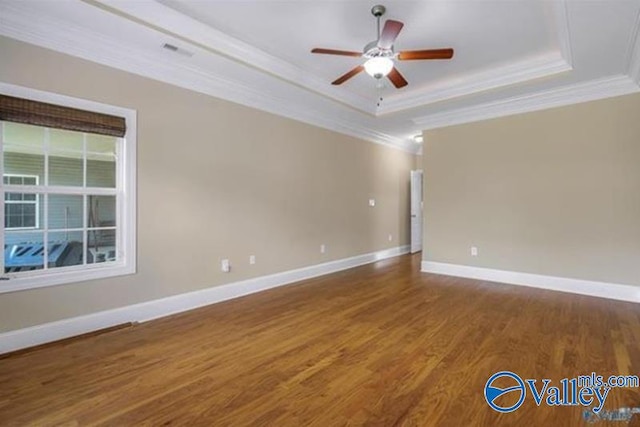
point(380, 54)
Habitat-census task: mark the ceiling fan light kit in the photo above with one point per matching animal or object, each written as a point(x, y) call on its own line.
point(378, 67)
point(380, 54)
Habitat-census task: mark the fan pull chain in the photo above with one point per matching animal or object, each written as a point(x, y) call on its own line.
point(379, 88)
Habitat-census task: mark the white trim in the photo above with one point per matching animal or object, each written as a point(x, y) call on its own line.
point(55, 98)
point(58, 189)
point(167, 18)
point(514, 73)
point(563, 30)
point(606, 87)
point(562, 284)
point(198, 33)
point(48, 332)
point(18, 23)
point(633, 54)
point(465, 85)
point(81, 42)
point(126, 219)
point(36, 202)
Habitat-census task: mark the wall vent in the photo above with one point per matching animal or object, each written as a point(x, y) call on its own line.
point(170, 47)
point(176, 49)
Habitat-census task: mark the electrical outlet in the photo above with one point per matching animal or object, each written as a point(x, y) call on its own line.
point(323, 249)
point(252, 259)
point(225, 265)
point(474, 251)
point(390, 237)
point(372, 202)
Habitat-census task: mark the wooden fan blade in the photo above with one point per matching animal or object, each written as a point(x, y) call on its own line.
point(409, 55)
point(348, 75)
point(336, 52)
point(389, 33)
point(396, 78)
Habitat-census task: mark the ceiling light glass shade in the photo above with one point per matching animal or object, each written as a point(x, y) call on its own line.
point(378, 67)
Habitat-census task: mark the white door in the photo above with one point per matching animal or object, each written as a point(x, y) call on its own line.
point(416, 211)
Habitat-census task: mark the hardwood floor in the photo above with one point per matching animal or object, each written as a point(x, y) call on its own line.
point(378, 345)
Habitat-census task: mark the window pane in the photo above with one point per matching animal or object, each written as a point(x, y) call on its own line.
point(18, 214)
point(23, 251)
point(23, 138)
point(14, 221)
point(101, 211)
point(66, 169)
point(65, 140)
point(29, 219)
point(23, 147)
point(21, 214)
point(16, 163)
point(65, 211)
point(101, 171)
point(101, 144)
point(65, 248)
point(13, 209)
point(101, 246)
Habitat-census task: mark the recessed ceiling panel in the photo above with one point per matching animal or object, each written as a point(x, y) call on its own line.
point(484, 34)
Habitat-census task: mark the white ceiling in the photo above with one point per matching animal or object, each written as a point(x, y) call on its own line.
point(510, 56)
point(477, 31)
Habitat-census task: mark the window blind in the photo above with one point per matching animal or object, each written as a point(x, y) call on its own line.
point(38, 113)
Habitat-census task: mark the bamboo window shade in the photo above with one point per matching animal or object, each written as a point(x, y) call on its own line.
point(38, 113)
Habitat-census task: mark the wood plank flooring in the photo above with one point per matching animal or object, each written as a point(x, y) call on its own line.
point(379, 345)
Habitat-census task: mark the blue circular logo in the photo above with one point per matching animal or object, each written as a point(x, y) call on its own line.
point(491, 393)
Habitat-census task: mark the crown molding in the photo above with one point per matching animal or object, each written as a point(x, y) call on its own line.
point(522, 71)
point(606, 87)
point(572, 94)
point(21, 22)
point(178, 25)
point(633, 54)
point(60, 36)
point(165, 19)
point(519, 72)
point(563, 30)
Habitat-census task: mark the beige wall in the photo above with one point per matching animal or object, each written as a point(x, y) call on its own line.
point(555, 192)
point(218, 180)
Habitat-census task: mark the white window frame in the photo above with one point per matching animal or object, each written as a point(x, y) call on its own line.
point(35, 202)
point(126, 195)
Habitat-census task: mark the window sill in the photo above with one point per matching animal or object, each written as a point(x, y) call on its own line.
point(36, 281)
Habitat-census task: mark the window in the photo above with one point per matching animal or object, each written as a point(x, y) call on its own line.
point(68, 170)
point(20, 209)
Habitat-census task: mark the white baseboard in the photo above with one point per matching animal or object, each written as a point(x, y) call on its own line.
point(54, 331)
point(562, 284)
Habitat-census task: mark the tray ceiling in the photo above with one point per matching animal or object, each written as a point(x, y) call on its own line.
point(511, 56)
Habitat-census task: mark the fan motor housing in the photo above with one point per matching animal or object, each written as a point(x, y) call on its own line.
point(371, 50)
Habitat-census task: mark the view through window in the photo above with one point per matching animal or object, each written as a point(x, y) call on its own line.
point(60, 198)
